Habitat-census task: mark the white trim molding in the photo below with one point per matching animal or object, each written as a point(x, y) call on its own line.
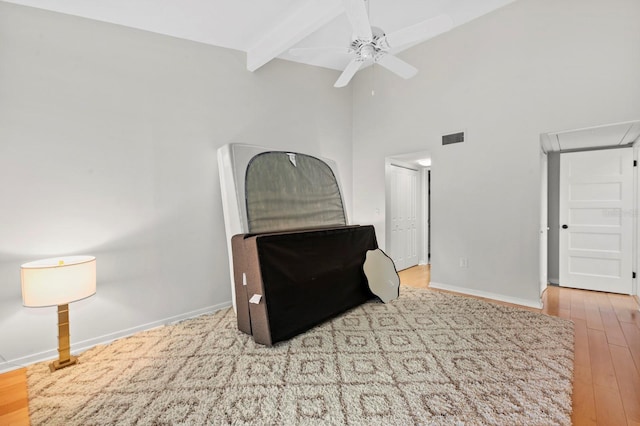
point(537, 304)
point(80, 347)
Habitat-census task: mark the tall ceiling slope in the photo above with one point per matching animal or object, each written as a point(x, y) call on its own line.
point(266, 29)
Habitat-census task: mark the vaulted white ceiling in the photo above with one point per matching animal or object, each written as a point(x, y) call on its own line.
point(266, 29)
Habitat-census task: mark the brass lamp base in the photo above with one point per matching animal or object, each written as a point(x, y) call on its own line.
point(65, 358)
point(58, 364)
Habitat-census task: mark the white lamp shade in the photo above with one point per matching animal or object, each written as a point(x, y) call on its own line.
point(57, 281)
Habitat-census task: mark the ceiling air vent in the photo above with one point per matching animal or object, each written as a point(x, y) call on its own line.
point(453, 138)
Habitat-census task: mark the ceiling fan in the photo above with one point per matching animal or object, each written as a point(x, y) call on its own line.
point(372, 45)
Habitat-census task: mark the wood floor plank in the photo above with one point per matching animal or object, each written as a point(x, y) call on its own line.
point(628, 381)
point(417, 277)
point(577, 305)
point(564, 298)
point(583, 403)
point(632, 336)
point(626, 309)
point(557, 302)
point(551, 301)
point(603, 373)
point(582, 358)
point(13, 398)
point(604, 304)
point(594, 320)
point(612, 328)
point(16, 418)
point(592, 311)
point(609, 408)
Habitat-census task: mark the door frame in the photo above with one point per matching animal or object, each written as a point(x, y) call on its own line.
point(423, 257)
point(544, 221)
point(544, 143)
point(636, 222)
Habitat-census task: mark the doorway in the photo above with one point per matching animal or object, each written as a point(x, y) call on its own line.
point(407, 209)
point(598, 241)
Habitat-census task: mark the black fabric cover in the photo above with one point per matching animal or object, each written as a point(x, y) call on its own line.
point(311, 276)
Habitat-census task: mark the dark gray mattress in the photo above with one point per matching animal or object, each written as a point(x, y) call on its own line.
point(302, 278)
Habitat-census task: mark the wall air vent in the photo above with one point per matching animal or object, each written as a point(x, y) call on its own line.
point(453, 138)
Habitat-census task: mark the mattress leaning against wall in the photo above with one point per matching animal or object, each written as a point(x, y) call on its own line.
point(294, 280)
point(298, 262)
point(233, 161)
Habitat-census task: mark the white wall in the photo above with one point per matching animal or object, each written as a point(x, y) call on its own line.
point(108, 140)
point(531, 67)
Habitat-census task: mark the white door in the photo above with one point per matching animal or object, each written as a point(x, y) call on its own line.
point(596, 202)
point(404, 217)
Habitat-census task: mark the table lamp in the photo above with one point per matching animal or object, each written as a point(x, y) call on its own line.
point(59, 281)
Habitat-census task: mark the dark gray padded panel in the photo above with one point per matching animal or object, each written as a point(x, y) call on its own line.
point(299, 278)
point(285, 191)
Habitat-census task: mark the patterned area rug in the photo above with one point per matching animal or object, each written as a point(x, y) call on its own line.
point(427, 358)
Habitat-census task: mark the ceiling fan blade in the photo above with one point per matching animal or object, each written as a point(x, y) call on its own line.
point(348, 73)
point(397, 66)
point(420, 31)
point(311, 51)
point(357, 14)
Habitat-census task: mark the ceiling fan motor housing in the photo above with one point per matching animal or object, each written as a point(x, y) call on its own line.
point(371, 44)
point(370, 50)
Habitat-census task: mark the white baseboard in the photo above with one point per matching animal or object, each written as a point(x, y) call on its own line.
point(82, 346)
point(554, 281)
point(494, 296)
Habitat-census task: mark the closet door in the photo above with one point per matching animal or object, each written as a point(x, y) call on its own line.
point(404, 238)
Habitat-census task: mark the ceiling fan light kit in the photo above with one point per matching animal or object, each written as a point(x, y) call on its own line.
point(371, 45)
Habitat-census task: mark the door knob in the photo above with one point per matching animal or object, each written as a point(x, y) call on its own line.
point(565, 226)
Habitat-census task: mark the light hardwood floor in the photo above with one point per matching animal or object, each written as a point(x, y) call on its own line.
point(13, 398)
point(606, 385)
